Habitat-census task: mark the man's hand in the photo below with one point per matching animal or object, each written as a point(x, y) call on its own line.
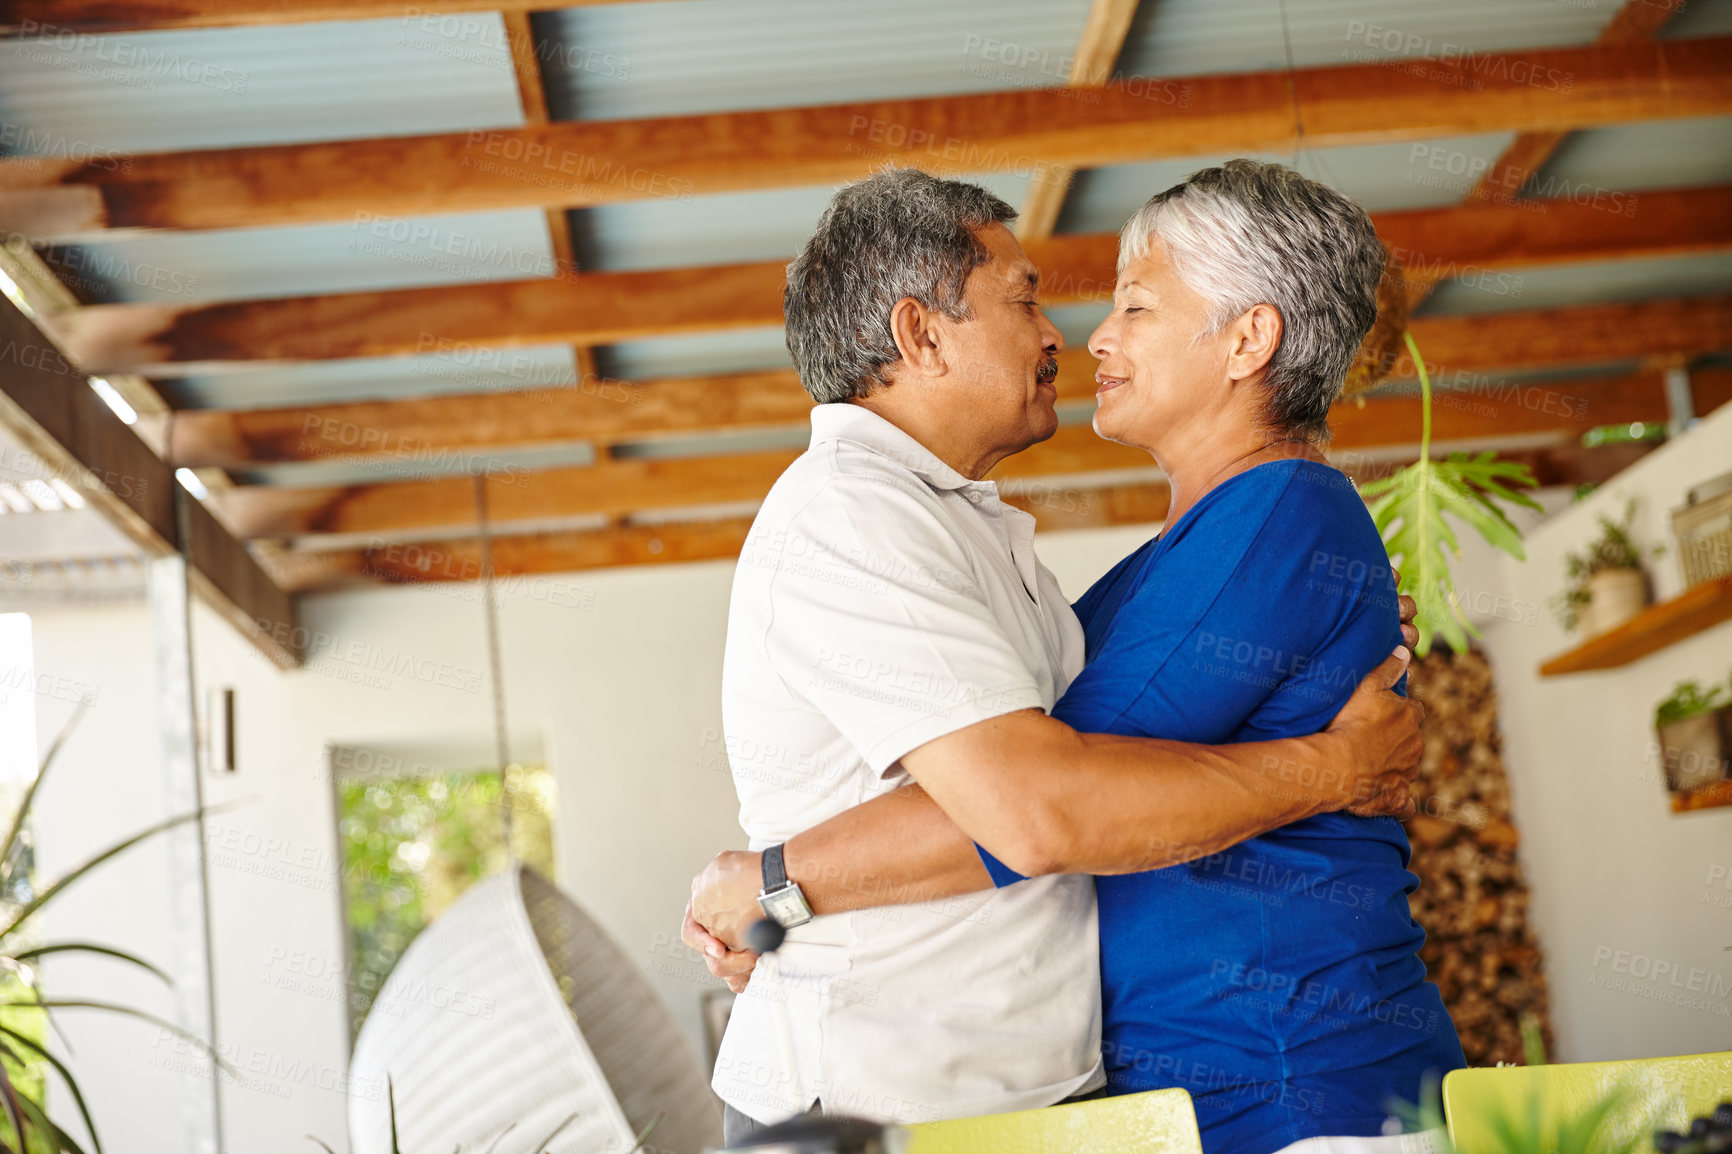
point(1380, 731)
point(732, 966)
point(725, 895)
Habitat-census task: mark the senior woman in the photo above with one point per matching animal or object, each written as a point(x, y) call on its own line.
point(1279, 981)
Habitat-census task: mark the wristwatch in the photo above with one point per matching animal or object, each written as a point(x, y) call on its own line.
point(781, 899)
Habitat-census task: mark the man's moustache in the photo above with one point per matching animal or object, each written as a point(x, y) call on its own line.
point(1048, 371)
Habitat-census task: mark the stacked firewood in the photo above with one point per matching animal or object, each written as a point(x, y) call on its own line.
point(1472, 899)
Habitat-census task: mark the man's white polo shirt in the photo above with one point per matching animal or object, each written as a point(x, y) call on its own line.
point(883, 600)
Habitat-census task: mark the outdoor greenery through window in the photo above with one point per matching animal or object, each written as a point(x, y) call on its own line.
point(412, 845)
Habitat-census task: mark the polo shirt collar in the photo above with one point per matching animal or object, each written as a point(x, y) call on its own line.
point(843, 421)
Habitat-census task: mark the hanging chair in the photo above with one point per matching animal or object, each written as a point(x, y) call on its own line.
point(514, 1009)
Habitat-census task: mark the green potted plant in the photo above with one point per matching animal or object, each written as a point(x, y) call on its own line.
point(1694, 728)
point(1605, 584)
point(24, 1123)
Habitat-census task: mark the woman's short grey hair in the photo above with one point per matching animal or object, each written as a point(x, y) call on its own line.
point(1249, 233)
point(900, 233)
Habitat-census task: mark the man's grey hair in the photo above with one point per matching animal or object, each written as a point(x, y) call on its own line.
point(900, 233)
point(1250, 233)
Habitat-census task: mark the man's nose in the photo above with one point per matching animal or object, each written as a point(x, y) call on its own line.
point(1050, 338)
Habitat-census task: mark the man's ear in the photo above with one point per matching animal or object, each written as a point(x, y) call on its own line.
point(916, 331)
point(1255, 337)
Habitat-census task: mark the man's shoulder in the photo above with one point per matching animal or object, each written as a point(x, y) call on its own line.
point(850, 469)
point(837, 487)
point(841, 507)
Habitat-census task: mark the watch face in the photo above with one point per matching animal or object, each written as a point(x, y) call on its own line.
point(786, 905)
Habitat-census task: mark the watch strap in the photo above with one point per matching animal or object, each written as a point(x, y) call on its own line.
point(775, 871)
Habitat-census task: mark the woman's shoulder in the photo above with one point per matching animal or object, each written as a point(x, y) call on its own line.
point(1300, 521)
point(1291, 495)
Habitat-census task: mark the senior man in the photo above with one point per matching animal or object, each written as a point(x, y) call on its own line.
point(890, 625)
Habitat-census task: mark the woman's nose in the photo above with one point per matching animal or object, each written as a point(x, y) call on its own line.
point(1103, 340)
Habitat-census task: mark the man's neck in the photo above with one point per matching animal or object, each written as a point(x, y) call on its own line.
point(937, 435)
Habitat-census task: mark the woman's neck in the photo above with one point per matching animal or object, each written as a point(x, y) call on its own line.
point(1194, 470)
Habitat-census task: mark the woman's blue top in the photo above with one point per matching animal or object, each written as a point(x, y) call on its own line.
point(1279, 982)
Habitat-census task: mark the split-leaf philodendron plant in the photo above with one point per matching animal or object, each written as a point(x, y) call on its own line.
point(1409, 510)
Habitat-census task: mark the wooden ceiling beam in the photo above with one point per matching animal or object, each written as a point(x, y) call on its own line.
point(39, 17)
point(598, 308)
point(576, 163)
point(532, 94)
point(620, 488)
point(51, 411)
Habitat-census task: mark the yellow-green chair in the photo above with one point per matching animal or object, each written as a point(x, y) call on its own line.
point(1662, 1093)
point(1156, 1122)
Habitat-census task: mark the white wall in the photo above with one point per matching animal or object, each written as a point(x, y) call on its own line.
point(1619, 881)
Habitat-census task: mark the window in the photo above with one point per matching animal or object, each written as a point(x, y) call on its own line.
point(411, 844)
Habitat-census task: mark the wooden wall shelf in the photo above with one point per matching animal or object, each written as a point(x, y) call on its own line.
point(1715, 793)
point(1700, 607)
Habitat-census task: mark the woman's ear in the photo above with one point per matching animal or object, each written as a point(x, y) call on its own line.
point(915, 331)
point(1255, 337)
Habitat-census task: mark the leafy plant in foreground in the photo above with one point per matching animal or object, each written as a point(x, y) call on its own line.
point(391, 1107)
point(1410, 507)
point(22, 1119)
point(1584, 1125)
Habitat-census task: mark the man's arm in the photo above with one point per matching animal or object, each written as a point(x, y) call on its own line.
point(1045, 799)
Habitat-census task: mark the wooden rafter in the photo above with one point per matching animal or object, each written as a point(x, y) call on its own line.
point(160, 339)
point(573, 163)
point(49, 408)
point(31, 17)
point(1103, 38)
point(532, 92)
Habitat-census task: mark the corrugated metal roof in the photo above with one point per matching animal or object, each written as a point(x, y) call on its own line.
point(1579, 284)
point(376, 378)
point(728, 352)
point(1658, 154)
point(1199, 37)
point(1378, 176)
point(743, 226)
point(369, 253)
point(1700, 18)
point(222, 87)
point(617, 61)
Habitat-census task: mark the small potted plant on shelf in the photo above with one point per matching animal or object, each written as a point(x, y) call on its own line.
point(1694, 728)
point(1606, 585)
